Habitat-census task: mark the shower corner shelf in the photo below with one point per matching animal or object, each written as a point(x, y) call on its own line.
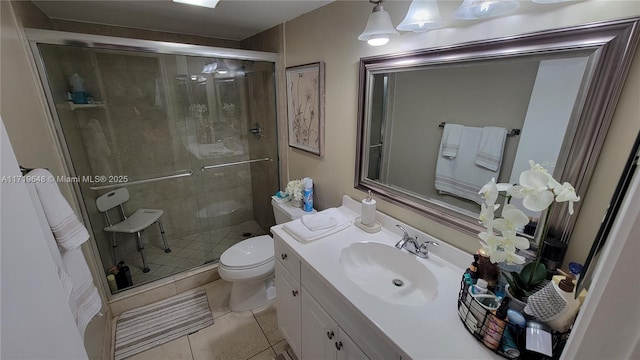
point(95, 105)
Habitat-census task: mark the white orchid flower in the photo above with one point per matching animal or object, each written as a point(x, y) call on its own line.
point(497, 256)
point(503, 186)
point(489, 192)
point(539, 168)
point(566, 192)
point(511, 257)
point(505, 254)
point(533, 190)
point(486, 215)
point(512, 219)
point(518, 242)
point(492, 241)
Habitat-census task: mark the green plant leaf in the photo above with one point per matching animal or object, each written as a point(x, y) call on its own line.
point(529, 282)
point(513, 278)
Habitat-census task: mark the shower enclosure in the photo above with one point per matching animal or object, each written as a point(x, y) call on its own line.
point(190, 130)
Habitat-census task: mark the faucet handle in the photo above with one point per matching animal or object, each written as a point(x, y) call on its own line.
point(423, 250)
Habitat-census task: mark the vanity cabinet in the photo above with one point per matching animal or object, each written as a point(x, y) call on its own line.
point(288, 298)
point(316, 323)
point(322, 338)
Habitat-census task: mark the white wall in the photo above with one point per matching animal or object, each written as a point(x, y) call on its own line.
point(330, 33)
point(36, 321)
point(22, 103)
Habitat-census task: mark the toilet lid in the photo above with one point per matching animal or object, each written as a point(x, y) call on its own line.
point(249, 253)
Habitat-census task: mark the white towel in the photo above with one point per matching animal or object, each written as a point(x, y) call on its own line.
point(65, 280)
point(303, 234)
point(461, 176)
point(86, 296)
point(67, 229)
point(451, 140)
point(491, 147)
point(319, 221)
point(74, 274)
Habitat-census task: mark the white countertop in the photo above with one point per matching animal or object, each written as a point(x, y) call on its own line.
point(433, 330)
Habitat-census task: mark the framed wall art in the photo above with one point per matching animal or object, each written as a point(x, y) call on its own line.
point(305, 107)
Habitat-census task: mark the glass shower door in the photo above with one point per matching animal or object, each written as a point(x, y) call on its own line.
point(181, 136)
point(127, 134)
point(231, 128)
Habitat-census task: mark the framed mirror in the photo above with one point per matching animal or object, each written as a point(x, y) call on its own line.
point(553, 92)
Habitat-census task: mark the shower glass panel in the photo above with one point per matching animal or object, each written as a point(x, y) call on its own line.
point(181, 136)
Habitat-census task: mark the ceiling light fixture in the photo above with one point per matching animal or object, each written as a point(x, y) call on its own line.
point(480, 9)
point(379, 28)
point(204, 3)
point(422, 16)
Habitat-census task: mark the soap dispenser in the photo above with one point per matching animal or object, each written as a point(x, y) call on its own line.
point(367, 221)
point(555, 304)
point(563, 321)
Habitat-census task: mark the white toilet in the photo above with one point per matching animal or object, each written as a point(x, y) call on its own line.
point(249, 265)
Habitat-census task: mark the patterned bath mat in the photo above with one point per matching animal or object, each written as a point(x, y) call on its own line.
point(151, 325)
point(286, 355)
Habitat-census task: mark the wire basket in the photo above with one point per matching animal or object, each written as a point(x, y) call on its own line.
point(501, 336)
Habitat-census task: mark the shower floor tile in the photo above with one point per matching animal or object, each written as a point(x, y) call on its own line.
point(186, 253)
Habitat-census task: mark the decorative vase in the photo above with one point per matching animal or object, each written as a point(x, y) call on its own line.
point(515, 304)
point(296, 202)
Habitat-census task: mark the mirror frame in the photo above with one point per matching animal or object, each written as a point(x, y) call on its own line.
point(613, 43)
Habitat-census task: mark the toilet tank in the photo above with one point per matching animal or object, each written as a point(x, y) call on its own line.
point(284, 212)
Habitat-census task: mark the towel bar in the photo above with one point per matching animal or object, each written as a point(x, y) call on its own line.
point(512, 132)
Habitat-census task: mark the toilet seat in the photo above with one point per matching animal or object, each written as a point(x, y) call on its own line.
point(249, 254)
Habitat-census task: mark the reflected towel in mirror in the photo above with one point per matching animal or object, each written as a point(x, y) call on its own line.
point(491, 147)
point(461, 176)
point(451, 140)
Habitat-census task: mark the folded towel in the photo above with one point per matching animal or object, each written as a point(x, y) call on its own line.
point(319, 221)
point(67, 229)
point(451, 140)
point(491, 147)
point(281, 197)
point(461, 176)
point(303, 234)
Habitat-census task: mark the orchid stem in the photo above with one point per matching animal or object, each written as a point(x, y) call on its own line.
point(545, 229)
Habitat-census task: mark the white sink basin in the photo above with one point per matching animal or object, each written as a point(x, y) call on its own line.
point(388, 273)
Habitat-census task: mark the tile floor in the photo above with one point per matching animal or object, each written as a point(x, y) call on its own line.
point(247, 335)
point(186, 253)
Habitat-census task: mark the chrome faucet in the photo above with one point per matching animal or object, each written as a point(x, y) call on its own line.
point(405, 238)
point(420, 250)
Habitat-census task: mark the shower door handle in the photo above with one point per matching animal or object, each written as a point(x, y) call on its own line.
point(234, 163)
point(182, 173)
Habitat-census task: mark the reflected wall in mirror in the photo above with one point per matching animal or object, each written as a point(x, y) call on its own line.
point(547, 97)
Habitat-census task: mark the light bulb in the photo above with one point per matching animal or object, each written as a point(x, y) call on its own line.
point(378, 41)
